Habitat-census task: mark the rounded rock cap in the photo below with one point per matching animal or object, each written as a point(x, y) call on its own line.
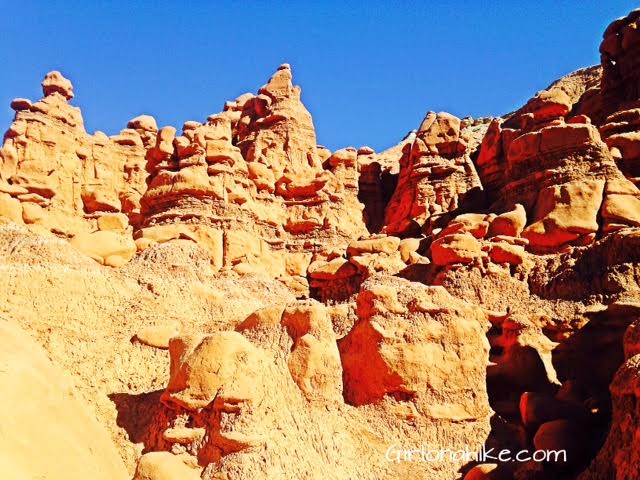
point(19, 104)
point(143, 122)
point(55, 82)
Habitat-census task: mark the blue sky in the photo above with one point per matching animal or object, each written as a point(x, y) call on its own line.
point(369, 70)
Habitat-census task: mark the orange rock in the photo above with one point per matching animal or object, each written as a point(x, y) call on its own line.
point(268, 317)
point(371, 263)
point(564, 213)
point(279, 130)
point(374, 245)
point(621, 209)
point(143, 122)
point(274, 218)
point(184, 435)
point(331, 270)
point(314, 361)
point(10, 208)
point(510, 223)
point(436, 173)
point(506, 253)
point(211, 240)
point(158, 336)
point(55, 82)
point(491, 161)
point(219, 366)
point(407, 353)
point(455, 248)
point(19, 104)
point(31, 212)
point(474, 223)
point(56, 165)
point(441, 132)
point(408, 246)
point(113, 221)
point(550, 139)
point(549, 104)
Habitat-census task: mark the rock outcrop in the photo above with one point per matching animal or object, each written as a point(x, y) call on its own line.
point(561, 171)
point(436, 176)
point(250, 186)
point(55, 177)
point(403, 344)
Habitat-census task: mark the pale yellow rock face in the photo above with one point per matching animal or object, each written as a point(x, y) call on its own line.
point(622, 209)
point(158, 336)
point(106, 247)
point(48, 431)
point(10, 208)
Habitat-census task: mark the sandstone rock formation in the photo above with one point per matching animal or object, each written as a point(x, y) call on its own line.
point(436, 176)
point(234, 301)
point(402, 346)
point(250, 187)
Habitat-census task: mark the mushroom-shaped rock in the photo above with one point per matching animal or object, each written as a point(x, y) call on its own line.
point(143, 122)
point(549, 104)
point(55, 82)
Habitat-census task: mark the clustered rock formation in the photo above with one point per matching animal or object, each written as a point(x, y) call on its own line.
point(233, 301)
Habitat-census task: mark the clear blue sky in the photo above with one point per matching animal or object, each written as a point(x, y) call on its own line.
point(369, 70)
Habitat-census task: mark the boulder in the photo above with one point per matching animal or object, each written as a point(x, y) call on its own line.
point(10, 208)
point(166, 466)
point(562, 436)
point(158, 336)
point(117, 222)
point(374, 245)
point(331, 270)
point(510, 223)
point(503, 252)
point(565, 212)
point(455, 248)
point(419, 344)
point(314, 361)
point(106, 247)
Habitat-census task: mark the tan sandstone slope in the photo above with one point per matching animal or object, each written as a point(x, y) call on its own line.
point(230, 300)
